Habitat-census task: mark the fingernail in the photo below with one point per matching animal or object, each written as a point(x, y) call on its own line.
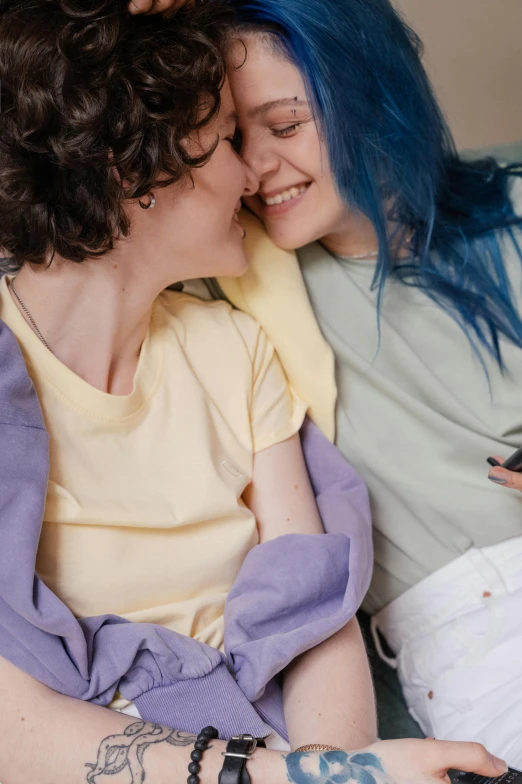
point(492, 461)
point(499, 480)
point(500, 764)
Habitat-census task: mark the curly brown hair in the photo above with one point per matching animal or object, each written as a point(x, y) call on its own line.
point(87, 90)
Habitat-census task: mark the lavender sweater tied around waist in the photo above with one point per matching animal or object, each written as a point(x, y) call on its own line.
point(291, 594)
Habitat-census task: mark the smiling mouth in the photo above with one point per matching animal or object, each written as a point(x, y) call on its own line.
point(282, 196)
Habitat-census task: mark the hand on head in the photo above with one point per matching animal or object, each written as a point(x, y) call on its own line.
point(154, 6)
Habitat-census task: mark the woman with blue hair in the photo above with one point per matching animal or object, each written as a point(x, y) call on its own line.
point(411, 258)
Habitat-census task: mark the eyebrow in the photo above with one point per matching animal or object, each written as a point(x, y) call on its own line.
point(280, 102)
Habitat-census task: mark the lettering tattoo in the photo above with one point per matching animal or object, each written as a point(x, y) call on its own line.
point(334, 767)
point(119, 752)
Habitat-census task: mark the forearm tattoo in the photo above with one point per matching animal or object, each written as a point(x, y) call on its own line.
point(125, 752)
point(334, 767)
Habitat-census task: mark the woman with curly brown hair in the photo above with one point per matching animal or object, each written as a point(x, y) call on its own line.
point(159, 583)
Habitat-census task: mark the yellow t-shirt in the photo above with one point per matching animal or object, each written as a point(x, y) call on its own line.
point(144, 517)
point(273, 291)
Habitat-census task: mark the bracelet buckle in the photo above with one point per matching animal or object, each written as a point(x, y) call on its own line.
point(249, 750)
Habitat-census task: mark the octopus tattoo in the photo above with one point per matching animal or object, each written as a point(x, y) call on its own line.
point(118, 752)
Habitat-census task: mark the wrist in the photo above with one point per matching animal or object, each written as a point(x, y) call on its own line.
point(241, 762)
point(212, 762)
point(166, 763)
point(267, 766)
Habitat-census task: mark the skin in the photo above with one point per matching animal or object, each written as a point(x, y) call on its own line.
point(504, 478)
point(282, 144)
point(154, 6)
point(68, 741)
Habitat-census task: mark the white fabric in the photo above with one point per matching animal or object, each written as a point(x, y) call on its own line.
point(274, 741)
point(457, 636)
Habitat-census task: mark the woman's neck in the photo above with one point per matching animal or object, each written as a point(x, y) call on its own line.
point(355, 236)
point(94, 316)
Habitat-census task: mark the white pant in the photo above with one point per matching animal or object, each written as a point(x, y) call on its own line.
point(458, 640)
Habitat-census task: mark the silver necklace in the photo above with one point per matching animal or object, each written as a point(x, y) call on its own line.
point(28, 316)
point(374, 253)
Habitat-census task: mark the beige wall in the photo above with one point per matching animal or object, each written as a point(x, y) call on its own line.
point(473, 52)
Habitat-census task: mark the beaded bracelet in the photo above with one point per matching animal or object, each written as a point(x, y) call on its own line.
point(201, 745)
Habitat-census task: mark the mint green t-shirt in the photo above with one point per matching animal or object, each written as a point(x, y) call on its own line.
point(417, 417)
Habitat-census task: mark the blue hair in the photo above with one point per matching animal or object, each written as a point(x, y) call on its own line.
point(389, 144)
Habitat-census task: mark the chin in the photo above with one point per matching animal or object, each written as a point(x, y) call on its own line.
point(291, 238)
point(236, 265)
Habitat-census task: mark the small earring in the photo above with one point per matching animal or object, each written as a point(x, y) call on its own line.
point(150, 205)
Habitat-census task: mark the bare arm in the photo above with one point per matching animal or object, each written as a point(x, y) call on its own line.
point(46, 738)
point(328, 692)
point(280, 495)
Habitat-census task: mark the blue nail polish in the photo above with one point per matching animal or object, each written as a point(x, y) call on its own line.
point(498, 480)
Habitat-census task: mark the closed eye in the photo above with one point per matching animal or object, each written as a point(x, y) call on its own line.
point(288, 130)
point(235, 140)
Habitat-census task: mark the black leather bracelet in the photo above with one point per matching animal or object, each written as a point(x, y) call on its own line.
point(239, 750)
point(201, 745)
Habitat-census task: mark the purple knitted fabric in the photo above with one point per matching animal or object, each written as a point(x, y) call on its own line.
point(291, 594)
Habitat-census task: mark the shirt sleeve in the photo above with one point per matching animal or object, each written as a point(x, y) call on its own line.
point(276, 412)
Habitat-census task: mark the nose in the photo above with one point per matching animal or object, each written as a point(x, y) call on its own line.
point(259, 158)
